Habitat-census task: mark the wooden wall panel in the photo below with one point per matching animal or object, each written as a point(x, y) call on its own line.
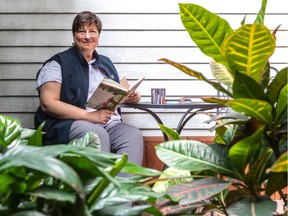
point(147, 6)
point(135, 35)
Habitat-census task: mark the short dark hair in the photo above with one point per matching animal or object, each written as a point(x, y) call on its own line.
point(86, 17)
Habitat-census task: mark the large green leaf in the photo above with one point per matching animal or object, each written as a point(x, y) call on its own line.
point(98, 157)
point(246, 87)
point(277, 84)
point(194, 156)
point(260, 110)
point(281, 109)
point(197, 75)
point(248, 207)
point(206, 29)
point(44, 164)
point(249, 48)
point(241, 152)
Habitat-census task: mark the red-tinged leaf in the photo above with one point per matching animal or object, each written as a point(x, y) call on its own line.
point(197, 190)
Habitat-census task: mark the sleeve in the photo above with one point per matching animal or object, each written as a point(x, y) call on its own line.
point(51, 71)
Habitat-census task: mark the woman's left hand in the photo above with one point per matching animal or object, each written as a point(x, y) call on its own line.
point(135, 97)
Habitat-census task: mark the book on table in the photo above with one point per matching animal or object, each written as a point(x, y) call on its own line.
point(111, 94)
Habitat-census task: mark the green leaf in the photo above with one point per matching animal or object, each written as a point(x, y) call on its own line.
point(197, 75)
point(139, 170)
point(206, 29)
point(281, 165)
point(246, 87)
point(221, 73)
point(117, 197)
point(241, 152)
point(54, 194)
point(276, 182)
point(249, 207)
point(281, 108)
point(260, 110)
point(97, 156)
point(89, 140)
point(10, 130)
point(96, 191)
point(277, 84)
point(261, 13)
point(194, 156)
point(27, 213)
point(44, 164)
point(249, 49)
point(266, 76)
point(6, 179)
point(172, 177)
point(256, 173)
point(169, 132)
point(36, 138)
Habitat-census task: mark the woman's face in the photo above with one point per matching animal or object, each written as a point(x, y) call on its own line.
point(86, 39)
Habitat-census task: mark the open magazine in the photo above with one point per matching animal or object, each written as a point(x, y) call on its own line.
point(111, 94)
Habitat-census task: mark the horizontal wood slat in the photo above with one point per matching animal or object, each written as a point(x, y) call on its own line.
point(188, 87)
point(123, 22)
point(158, 71)
point(176, 39)
point(127, 55)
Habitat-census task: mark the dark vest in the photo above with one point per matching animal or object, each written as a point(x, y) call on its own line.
point(74, 90)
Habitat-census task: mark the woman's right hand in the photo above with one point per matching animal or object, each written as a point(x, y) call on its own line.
point(101, 116)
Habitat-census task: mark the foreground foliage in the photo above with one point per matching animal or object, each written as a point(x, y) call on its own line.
point(75, 179)
point(247, 163)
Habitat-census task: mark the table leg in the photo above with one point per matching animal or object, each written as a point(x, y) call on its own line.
point(156, 117)
point(185, 118)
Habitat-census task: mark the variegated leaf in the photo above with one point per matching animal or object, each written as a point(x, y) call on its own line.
point(249, 49)
point(206, 29)
point(221, 73)
point(260, 110)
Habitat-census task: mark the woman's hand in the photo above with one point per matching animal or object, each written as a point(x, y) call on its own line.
point(135, 97)
point(101, 116)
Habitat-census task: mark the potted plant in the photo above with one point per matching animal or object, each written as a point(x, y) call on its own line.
point(247, 163)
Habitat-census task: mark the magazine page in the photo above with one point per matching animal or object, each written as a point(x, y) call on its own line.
point(135, 86)
point(110, 94)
